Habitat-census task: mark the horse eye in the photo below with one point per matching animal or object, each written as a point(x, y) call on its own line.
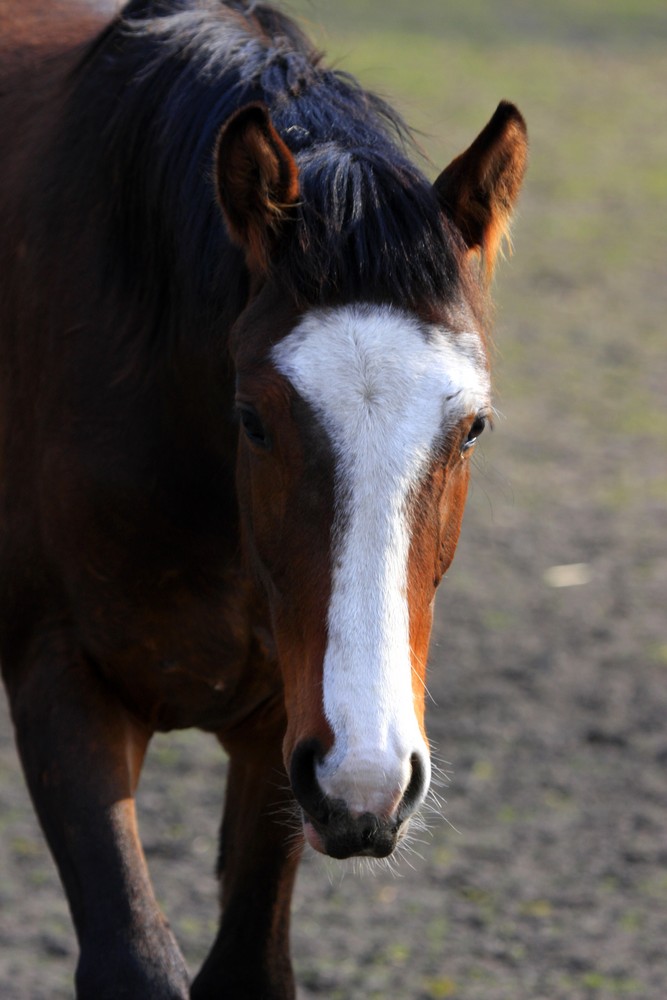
point(477, 427)
point(253, 426)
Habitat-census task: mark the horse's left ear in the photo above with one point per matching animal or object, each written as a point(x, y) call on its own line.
point(257, 182)
point(478, 190)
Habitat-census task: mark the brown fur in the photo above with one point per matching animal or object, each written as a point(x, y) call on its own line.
point(479, 188)
point(257, 182)
point(437, 513)
point(158, 570)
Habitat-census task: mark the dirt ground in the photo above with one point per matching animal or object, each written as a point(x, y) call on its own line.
point(544, 876)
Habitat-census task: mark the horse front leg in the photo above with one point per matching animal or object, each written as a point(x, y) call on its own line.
point(82, 753)
point(260, 850)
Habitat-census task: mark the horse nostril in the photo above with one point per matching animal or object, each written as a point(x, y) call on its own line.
point(368, 833)
point(416, 789)
point(304, 781)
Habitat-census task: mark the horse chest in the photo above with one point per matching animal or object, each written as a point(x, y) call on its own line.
point(181, 654)
point(158, 598)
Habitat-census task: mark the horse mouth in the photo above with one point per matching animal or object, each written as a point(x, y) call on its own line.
point(347, 836)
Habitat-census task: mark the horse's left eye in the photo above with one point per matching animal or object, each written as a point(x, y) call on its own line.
point(477, 427)
point(253, 426)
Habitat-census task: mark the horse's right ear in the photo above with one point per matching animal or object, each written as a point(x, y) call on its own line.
point(478, 190)
point(257, 182)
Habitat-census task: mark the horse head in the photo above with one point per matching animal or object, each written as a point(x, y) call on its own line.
point(357, 420)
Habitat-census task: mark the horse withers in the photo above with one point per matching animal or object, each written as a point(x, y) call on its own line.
point(243, 369)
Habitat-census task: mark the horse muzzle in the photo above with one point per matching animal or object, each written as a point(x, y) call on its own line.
point(332, 826)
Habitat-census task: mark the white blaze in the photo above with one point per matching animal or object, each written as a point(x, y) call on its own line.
point(385, 387)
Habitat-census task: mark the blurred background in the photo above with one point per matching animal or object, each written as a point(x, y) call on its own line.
point(544, 876)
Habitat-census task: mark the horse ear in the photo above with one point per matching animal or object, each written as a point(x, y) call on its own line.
point(478, 189)
point(257, 181)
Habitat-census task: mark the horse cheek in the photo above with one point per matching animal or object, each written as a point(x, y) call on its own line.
point(452, 505)
point(431, 553)
point(262, 506)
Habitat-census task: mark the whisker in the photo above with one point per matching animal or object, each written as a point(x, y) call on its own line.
point(421, 677)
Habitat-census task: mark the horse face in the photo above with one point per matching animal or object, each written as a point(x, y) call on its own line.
point(353, 469)
point(357, 426)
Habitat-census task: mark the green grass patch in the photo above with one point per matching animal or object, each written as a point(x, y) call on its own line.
point(611, 985)
point(583, 23)
point(440, 987)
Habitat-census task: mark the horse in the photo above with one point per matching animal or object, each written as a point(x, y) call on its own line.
point(244, 365)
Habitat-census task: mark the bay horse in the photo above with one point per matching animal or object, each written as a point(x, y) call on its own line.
point(243, 369)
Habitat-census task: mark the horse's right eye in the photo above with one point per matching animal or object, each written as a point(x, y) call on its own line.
point(253, 426)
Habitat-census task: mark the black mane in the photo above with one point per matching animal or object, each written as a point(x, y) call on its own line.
point(367, 225)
